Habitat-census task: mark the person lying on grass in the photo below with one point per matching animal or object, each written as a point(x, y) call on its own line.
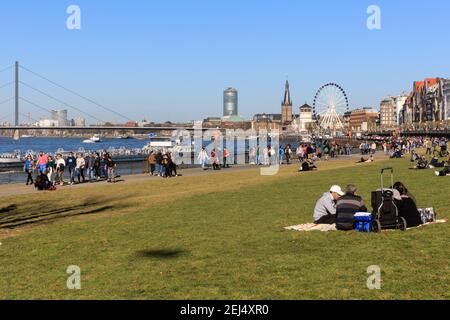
point(325, 209)
point(434, 163)
point(443, 173)
point(369, 160)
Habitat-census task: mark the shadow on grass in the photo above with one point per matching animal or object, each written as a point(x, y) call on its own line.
point(12, 217)
point(161, 253)
point(8, 209)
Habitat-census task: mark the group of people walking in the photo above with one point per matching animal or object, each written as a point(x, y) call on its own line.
point(51, 169)
point(213, 158)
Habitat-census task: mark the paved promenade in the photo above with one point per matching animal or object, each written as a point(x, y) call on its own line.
point(22, 189)
point(19, 189)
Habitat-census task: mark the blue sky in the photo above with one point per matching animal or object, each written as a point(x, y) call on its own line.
point(171, 60)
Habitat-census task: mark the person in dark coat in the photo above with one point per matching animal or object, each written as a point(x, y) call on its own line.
point(407, 207)
point(71, 163)
point(400, 186)
point(307, 165)
point(346, 208)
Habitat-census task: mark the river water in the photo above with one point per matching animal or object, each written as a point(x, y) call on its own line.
point(51, 145)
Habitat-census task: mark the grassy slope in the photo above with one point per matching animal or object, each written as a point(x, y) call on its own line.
point(221, 236)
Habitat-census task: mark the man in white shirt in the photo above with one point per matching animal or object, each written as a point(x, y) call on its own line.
point(325, 210)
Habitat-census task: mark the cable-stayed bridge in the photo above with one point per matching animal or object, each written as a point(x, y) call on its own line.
point(18, 99)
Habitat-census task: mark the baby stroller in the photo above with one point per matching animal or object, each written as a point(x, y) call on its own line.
point(385, 212)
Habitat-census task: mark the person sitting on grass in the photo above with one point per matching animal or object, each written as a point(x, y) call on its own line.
point(308, 165)
point(400, 186)
point(346, 208)
point(325, 209)
point(43, 183)
point(407, 207)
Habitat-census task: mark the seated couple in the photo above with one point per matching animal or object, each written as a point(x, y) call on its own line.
point(308, 165)
point(338, 207)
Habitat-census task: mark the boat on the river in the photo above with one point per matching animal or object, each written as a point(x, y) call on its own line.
point(93, 139)
point(122, 137)
point(8, 159)
point(167, 144)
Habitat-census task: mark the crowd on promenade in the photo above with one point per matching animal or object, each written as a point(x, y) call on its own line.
point(304, 153)
point(47, 171)
point(94, 166)
point(163, 164)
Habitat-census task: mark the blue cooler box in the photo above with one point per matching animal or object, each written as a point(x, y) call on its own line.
point(363, 223)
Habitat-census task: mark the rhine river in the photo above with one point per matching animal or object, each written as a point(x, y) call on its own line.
point(51, 145)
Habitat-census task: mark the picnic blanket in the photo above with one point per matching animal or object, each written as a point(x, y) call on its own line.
point(313, 227)
point(332, 227)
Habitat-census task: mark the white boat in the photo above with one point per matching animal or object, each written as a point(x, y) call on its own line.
point(159, 143)
point(93, 139)
point(9, 158)
point(167, 144)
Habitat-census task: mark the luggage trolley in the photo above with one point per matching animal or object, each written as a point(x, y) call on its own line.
point(385, 212)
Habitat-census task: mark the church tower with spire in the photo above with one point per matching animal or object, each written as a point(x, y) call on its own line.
point(286, 106)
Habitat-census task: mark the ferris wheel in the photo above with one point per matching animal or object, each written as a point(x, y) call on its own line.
point(330, 105)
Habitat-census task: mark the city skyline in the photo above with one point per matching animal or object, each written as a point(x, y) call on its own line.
point(179, 57)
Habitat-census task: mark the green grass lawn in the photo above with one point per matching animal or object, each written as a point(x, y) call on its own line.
point(219, 236)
